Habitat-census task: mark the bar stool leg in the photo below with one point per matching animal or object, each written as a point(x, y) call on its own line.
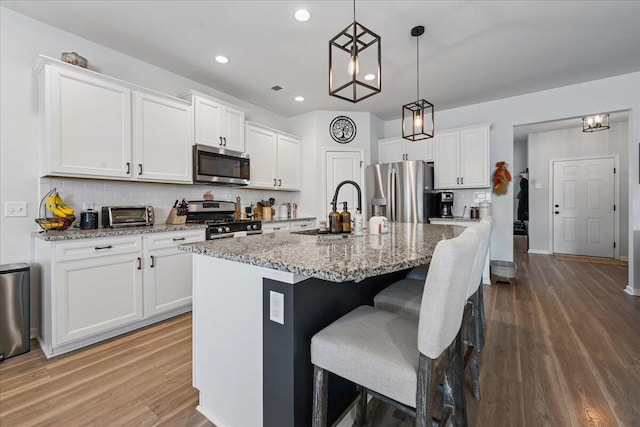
point(426, 391)
point(457, 371)
point(361, 408)
point(320, 377)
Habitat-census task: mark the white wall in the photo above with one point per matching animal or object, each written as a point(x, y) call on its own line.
point(314, 129)
point(568, 144)
point(21, 40)
point(607, 95)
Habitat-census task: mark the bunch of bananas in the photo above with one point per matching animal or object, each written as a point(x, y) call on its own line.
point(56, 206)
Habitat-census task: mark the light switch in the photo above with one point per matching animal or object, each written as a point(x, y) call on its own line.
point(15, 209)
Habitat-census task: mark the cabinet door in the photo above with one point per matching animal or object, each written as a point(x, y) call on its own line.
point(95, 295)
point(233, 129)
point(391, 151)
point(446, 156)
point(207, 123)
point(162, 139)
point(261, 146)
point(167, 280)
point(87, 125)
point(474, 157)
point(419, 150)
point(288, 163)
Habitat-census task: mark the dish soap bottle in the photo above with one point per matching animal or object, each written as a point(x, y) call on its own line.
point(345, 216)
point(358, 224)
point(335, 221)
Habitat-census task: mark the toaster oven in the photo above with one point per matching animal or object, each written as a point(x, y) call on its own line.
point(127, 216)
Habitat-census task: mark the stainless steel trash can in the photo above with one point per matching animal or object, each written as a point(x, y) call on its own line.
point(14, 310)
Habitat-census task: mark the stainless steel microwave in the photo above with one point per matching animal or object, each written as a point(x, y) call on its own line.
point(127, 216)
point(213, 165)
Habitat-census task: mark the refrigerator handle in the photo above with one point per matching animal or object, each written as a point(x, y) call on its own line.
point(392, 192)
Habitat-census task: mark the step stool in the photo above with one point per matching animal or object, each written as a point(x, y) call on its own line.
point(504, 271)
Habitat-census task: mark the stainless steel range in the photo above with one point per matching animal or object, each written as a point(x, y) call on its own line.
point(219, 217)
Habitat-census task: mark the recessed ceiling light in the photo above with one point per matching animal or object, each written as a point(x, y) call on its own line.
point(222, 59)
point(299, 98)
point(302, 15)
point(370, 77)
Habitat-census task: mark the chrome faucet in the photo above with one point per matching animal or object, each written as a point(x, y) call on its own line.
point(334, 202)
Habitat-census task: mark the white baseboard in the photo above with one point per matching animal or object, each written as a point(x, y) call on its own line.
point(624, 258)
point(538, 251)
point(631, 291)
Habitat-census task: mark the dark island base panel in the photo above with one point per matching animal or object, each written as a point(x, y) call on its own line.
point(309, 306)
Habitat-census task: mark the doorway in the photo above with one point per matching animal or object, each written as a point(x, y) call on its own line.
point(340, 166)
point(584, 210)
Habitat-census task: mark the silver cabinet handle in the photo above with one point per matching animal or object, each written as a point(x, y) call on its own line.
point(99, 248)
point(303, 225)
point(128, 168)
point(139, 168)
point(178, 239)
point(139, 263)
point(153, 261)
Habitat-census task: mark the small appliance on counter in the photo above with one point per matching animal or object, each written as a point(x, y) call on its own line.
point(219, 217)
point(378, 225)
point(88, 220)
point(444, 201)
point(127, 216)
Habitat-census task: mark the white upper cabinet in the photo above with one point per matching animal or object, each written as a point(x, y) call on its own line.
point(162, 138)
point(86, 124)
point(461, 158)
point(217, 124)
point(275, 158)
point(95, 126)
point(397, 149)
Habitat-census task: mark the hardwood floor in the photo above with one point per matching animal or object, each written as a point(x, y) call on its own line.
point(562, 349)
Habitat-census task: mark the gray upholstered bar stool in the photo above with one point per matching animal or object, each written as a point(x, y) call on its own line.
point(403, 297)
point(396, 358)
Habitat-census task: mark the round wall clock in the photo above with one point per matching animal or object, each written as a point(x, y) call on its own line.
point(342, 129)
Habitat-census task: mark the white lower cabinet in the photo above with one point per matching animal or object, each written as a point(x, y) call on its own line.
point(303, 225)
point(276, 227)
point(94, 289)
point(96, 294)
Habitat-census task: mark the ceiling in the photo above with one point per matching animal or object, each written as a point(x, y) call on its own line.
point(471, 52)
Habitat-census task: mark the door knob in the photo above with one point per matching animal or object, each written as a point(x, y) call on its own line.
point(557, 206)
point(556, 212)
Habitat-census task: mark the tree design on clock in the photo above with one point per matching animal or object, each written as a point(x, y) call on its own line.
point(342, 129)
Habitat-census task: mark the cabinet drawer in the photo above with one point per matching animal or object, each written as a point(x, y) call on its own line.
point(92, 248)
point(278, 227)
point(172, 239)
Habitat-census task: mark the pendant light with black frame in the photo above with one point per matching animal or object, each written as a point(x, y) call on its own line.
point(358, 50)
point(419, 113)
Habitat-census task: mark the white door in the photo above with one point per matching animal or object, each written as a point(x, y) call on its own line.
point(419, 150)
point(583, 207)
point(390, 151)
point(446, 157)
point(341, 166)
point(288, 163)
point(162, 139)
point(261, 146)
point(233, 125)
point(167, 280)
point(474, 158)
point(208, 124)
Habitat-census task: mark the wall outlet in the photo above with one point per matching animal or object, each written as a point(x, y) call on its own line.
point(276, 307)
point(15, 209)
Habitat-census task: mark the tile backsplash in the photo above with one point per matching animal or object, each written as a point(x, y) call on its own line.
point(469, 198)
point(83, 194)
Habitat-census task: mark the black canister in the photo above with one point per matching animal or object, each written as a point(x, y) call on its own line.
point(88, 220)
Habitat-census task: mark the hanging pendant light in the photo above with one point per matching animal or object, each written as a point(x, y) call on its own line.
point(595, 123)
point(354, 63)
point(417, 116)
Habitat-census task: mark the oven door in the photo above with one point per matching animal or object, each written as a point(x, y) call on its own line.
point(219, 166)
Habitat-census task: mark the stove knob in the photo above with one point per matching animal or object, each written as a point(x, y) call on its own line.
point(255, 226)
point(249, 227)
point(227, 229)
point(220, 230)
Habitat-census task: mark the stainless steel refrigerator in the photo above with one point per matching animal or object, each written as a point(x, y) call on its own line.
point(401, 191)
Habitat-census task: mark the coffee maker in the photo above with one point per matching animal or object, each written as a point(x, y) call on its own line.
point(444, 201)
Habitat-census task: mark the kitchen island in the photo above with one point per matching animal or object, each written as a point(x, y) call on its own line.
point(258, 300)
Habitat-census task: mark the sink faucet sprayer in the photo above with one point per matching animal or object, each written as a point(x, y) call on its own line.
point(334, 216)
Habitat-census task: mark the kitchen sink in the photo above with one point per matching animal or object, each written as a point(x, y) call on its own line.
point(322, 236)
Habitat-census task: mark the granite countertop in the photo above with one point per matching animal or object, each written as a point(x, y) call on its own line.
point(454, 219)
point(278, 219)
point(353, 258)
point(76, 233)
